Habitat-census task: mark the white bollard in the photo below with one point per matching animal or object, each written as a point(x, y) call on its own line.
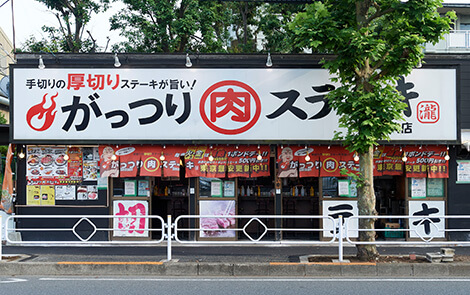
point(340, 238)
point(169, 237)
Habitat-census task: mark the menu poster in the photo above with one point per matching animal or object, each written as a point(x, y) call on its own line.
point(33, 195)
point(46, 161)
point(418, 187)
point(92, 191)
point(65, 192)
point(82, 192)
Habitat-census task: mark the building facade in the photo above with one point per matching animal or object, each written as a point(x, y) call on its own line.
point(227, 136)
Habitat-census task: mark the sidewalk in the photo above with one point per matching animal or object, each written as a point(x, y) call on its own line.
point(218, 261)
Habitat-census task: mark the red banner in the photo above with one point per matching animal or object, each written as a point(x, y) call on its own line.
point(259, 161)
point(171, 164)
point(287, 161)
point(438, 166)
point(335, 158)
point(194, 161)
point(108, 166)
point(392, 163)
point(129, 158)
point(151, 163)
point(416, 163)
point(309, 161)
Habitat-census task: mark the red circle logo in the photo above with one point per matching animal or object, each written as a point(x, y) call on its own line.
point(230, 107)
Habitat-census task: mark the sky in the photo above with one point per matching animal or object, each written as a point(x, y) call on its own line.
point(31, 15)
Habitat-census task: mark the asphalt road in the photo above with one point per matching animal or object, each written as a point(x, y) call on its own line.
point(227, 286)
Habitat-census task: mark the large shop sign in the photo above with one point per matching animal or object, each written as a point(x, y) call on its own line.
point(209, 104)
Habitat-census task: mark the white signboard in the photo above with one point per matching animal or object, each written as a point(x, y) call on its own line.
point(426, 223)
point(131, 224)
point(336, 208)
point(209, 104)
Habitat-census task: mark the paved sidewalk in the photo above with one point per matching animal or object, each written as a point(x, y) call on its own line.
point(218, 261)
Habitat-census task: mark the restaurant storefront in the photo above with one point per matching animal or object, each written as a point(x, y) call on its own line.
point(224, 141)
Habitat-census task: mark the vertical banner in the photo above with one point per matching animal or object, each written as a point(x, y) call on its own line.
point(6, 203)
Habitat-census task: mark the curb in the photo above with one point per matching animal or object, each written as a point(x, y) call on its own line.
point(234, 269)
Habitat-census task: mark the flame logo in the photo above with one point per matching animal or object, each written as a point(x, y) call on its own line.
point(39, 111)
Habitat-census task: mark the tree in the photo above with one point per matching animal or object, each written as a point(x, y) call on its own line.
point(172, 26)
point(72, 16)
point(203, 26)
point(372, 43)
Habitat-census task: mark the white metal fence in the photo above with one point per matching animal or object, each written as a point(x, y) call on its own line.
point(232, 230)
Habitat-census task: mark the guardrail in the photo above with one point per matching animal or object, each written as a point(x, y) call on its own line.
point(89, 220)
point(423, 230)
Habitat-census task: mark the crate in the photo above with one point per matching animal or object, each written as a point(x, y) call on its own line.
point(393, 234)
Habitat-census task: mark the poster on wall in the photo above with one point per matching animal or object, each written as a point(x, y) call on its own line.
point(217, 227)
point(65, 192)
point(334, 209)
point(131, 224)
point(143, 188)
point(426, 221)
point(463, 172)
point(343, 188)
point(216, 188)
point(33, 195)
point(82, 192)
point(40, 195)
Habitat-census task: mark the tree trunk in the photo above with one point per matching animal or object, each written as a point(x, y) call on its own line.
point(366, 206)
